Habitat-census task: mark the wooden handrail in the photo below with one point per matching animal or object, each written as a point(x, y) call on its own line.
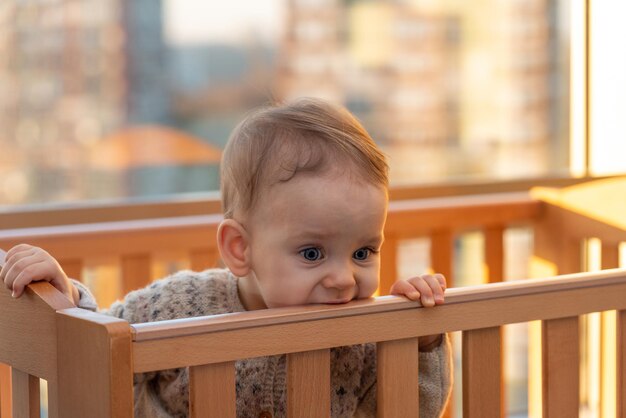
point(407, 215)
point(31, 216)
point(241, 320)
point(411, 217)
point(251, 334)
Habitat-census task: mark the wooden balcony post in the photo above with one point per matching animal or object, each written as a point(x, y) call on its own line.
point(610, 256)
point(555, 242)
point(202, 259)
point(388, 264)
point(136, 271)
point(442, 254)
point(494, 253)
point(73, 268)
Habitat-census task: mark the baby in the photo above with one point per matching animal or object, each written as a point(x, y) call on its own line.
point(304, 195)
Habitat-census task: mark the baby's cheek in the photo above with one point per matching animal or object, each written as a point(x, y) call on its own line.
point(368, 288)
point(283, 296)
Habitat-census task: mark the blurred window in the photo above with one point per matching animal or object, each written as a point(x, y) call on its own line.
point(451, 91)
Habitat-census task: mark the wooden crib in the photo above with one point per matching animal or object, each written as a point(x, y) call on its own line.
point(88, 360)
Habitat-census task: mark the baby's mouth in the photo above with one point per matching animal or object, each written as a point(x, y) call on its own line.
point(339, 301)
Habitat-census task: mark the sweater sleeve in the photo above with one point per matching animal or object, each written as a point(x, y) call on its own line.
point(87, 300)
point(435, 379)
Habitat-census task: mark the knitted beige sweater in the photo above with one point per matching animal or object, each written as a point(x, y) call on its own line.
point(260, 382)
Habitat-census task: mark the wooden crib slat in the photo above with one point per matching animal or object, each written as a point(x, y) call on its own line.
point(136, 271)
point(482, 369)
point(5, 391)
point(494, 253)
point(212, 390)
point(621, 364)
point(25, 394)
point(560, 361)
point(308, 384)
point(397, 381)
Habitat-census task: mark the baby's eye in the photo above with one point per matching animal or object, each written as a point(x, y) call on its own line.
point(311, 254)
point(361, 254)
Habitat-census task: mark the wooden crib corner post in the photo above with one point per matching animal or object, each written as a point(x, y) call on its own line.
point(95, 377)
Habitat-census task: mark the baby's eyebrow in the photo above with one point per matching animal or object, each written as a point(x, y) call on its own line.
point(377, 240)
point(315, 234)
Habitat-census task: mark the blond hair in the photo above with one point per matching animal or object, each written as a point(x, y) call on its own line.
point(275, 143)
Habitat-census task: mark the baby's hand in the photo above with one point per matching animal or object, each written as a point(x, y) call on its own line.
point(427, 288)
point(25, 264)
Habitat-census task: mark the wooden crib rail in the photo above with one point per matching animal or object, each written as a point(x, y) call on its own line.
point(97, 355)
point(210, 345)
point(135, 245)
point(216, 338)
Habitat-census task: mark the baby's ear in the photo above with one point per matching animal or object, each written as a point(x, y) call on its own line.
point(233, 244)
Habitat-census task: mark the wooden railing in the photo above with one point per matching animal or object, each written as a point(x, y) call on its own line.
point(91, 371)
point(136, 246)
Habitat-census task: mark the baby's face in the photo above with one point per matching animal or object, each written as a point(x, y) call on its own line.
point(316, 239)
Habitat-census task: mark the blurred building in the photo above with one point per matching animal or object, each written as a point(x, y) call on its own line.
point(145, 53)
point(445, 87)
point(421, 106)
point(72, 71)
point(311, 62)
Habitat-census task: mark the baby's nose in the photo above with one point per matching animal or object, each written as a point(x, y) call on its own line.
point(340, 279)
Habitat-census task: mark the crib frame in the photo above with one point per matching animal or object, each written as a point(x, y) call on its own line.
point(89, 359)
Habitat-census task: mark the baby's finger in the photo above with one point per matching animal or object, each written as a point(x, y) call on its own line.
point(32, 273)
point(436, 288)
point(14, 256)
point(21, 250)
point(19, 263)
point(423, 286)
point(404, 288)
point(442, 280)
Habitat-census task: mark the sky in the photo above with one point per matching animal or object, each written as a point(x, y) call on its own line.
point(201, 21)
